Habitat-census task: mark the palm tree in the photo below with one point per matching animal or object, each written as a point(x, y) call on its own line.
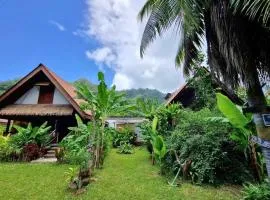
point(237, 47)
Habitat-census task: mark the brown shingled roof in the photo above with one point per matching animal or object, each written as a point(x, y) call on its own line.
point(37, 110)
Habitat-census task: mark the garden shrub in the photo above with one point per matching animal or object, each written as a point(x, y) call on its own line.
point(31, 152)
point(28, 143)
point(205, 151)
point(5, 149)
point(257, 192)
point(123, 135)
point(76, 144)
point(38, 135)
point(125, 148)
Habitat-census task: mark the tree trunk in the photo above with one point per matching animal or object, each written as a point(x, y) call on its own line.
point(257, 100)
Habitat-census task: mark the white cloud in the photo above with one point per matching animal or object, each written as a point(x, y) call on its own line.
point(102, 55)
point(113, 23)
point(57, 25)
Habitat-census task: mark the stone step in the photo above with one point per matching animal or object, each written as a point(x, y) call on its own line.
point(54, 145)
point(51, 151)
point(49, 156)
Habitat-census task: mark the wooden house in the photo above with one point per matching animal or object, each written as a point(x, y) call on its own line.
point(186, 94)
point(42, 96)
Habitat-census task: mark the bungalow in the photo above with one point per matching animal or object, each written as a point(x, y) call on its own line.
point(42, 96)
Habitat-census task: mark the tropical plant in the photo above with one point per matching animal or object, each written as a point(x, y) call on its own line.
point(237, 118)
point(125, 135)
point(5, 149)
point(38, 135)
point(32, 152)
point(106, 102)
point(71, 174)
point(255, 9)
point(77, 143)
point(203, 150)
point(235, 52)
point(158, 144)
point(125, 148)
point(244, 129)
point(147, 107)
point(256, 192)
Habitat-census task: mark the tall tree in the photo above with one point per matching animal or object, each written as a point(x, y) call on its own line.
point(238, 47)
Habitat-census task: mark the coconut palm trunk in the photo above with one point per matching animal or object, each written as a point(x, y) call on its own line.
point(257, 100)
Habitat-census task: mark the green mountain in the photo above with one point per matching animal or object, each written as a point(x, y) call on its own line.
point(131, 93)
point(5, 85)
point(145, 93)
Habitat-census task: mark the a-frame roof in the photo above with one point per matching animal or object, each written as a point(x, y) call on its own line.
point(216, 82)
point(65, 88)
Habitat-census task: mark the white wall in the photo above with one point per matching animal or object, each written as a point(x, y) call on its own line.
point(58, 98)
point(30, 97)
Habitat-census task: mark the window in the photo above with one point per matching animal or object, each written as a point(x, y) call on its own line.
point(46, 95)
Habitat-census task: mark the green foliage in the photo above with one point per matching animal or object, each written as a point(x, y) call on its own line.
point(232, 112)
point(71, 173)
point(159, 147)
point(125, 135)
point(2, 130)
point(5, 85)
point(76, 143)
point(145, 94)
point(255, 9)
point(257, 192)
point(5, 149)
point(84, 81)
point(206, 153)
point(125, 148)
point(147, 107)
point(236, 118)
point(106, 102)
point(202, 84)
point(38, 135)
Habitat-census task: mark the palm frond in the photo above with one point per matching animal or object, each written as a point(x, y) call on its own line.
point(255, 9)
point(147, 8)
point(160, 20)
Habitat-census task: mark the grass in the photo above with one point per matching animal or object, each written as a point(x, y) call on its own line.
point(123, 177)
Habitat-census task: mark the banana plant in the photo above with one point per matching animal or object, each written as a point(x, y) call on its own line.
point(237, 119)
point(106, 102)
point(39, 135)
point(243, 123)
point(157, 141)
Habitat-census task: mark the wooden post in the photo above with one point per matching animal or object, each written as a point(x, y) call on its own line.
point(7, 128)
point(56, 130)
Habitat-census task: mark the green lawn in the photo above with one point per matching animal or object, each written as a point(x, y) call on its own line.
point(124, 177)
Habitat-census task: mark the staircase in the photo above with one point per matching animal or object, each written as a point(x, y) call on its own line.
point(51, 150)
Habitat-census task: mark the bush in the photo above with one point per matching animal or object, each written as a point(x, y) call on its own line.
point(5, 149)
point(125, 148)
point(257, 192)
point(77, 157)
point(205, 151)
point(124, 135)
point(29, 135)
point(76, 144)
point(31, 152)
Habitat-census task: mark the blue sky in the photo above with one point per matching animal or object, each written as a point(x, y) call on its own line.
point(77, 38)
point(29, 37)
